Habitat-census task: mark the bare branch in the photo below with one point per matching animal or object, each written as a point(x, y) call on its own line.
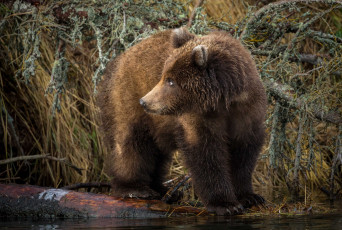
point(278, 6)
point(281, 93)
point(302, 28)
point(193, 13)
point(313, 59)
point(173, 189)
point(313, 33)
point(295, 184)
point(44, 156)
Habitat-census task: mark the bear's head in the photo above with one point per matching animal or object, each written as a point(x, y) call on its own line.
point(195, 77)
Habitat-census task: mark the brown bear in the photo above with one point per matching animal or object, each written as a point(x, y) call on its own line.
point(200, 95)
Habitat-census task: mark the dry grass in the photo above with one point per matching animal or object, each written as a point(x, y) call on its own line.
point(27, 121)
point(70, 134)
point(73, 132)
point(227, 11)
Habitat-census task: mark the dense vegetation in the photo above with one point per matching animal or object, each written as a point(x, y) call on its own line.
point(54, 52)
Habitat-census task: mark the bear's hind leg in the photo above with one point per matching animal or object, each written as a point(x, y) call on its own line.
point(244, 154)
point(161, 170)
point(134, 162)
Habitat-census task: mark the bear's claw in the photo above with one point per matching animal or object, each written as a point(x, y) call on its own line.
point(252, 199)
point(226, 211)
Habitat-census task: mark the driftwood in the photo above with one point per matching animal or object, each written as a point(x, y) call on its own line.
point(39, 202)
point(86, 185)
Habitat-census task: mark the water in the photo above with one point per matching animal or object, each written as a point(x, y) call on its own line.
point(326, 222)
point(331, 221)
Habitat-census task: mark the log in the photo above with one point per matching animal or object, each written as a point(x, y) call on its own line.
point(39, 202)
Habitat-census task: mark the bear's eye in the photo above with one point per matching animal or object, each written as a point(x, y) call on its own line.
point(170, 82)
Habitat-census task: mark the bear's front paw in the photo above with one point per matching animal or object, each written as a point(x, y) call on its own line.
point(251, 199)
point(227, 210)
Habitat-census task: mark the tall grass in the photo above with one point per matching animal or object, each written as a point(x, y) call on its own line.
point(30, 126)
point(62, 121)
point(71, 133)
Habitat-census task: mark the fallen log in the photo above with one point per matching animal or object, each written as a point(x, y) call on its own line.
point(39, 202)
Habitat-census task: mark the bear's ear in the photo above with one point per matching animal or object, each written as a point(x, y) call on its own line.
point(200, 55)
point(180, 36)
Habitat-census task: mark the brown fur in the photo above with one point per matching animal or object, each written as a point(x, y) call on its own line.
point(201, 95)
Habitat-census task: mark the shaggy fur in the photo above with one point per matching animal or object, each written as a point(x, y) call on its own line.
point(201, 95)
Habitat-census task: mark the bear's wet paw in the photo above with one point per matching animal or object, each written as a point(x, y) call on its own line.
point(227, 210)
point(251, 200)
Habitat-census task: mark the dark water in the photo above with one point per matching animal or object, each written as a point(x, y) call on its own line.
point(310, 221)
point(327, 221)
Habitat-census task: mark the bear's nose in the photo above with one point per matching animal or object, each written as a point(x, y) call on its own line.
point(142, 103)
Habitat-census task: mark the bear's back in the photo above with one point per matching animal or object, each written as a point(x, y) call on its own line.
point(143, 64)
point(129, 77)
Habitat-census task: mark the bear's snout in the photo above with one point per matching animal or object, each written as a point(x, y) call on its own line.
point(152, 102)
point(149, 104)
point(142, 103)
